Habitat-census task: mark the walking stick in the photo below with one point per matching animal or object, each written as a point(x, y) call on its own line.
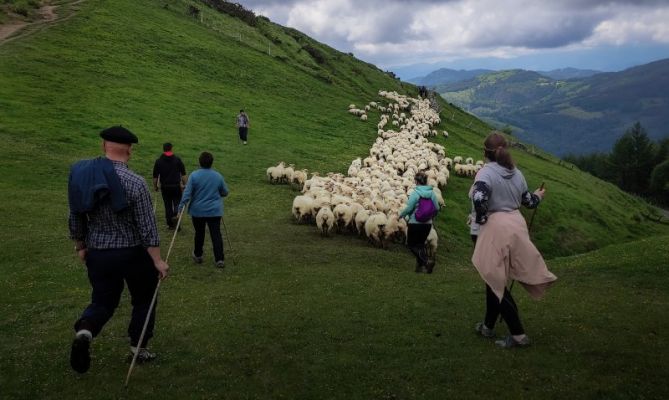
point(153, 303)
point(529, 229)
point(225, 228)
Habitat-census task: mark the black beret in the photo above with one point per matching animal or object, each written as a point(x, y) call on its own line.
point(119, 134)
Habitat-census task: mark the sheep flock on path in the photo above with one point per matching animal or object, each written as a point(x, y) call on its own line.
point(367, 201)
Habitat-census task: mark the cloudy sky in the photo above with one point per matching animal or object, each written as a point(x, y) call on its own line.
point(403, 36)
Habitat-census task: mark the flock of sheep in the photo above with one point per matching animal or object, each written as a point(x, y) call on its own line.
point(368, 200)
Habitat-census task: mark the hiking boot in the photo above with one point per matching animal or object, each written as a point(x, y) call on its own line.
point(484, 331)
point(196, 259)
point(144, 355)
point(508, 342)
point(220, 264)
point(80, 357)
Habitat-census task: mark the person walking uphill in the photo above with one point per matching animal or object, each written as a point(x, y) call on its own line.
point(422, 206)
point(170, 171)
point(243, 125)
point(112, 223)
point(204, 190)
point(503, 249)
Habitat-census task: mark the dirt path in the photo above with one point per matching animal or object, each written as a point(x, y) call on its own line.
point(48, 15)
point(7, 30)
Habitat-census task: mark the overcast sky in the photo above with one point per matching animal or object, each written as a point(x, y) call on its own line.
point(534, 34)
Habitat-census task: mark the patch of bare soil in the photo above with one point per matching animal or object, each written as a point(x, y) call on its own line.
point(47, 15)
point(9, 28)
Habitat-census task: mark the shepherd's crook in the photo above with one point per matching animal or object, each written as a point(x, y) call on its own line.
point(153, 302)
point(225, 228)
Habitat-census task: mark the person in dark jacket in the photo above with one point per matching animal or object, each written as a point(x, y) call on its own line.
point(419, 230)
point(170, 172)
point(114, 231)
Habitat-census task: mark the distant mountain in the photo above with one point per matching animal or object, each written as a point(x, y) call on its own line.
point(569, 73)
point(569, 116)
point(445, 75)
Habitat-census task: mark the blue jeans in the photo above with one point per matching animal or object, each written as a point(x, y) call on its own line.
point(107, 271)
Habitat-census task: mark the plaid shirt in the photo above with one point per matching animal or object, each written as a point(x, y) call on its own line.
point(104, 229)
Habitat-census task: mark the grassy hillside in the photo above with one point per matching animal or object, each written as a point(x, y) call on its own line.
point(297, 316)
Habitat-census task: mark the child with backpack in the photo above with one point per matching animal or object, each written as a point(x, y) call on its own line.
point(422, 206)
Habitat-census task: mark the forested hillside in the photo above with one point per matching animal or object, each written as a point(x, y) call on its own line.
point(572, 116)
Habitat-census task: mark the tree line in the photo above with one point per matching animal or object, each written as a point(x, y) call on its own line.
point(636, 165)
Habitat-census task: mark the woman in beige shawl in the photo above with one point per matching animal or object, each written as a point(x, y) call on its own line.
point(503, 249)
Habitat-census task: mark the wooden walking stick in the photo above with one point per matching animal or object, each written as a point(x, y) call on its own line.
point(232, 254)
point(534, 213)
point(153, 303)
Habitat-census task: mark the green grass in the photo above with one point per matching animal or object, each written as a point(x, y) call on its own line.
point(298, 316)
point(20, 8)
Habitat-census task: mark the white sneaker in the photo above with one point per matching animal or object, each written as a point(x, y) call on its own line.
point(144, 355)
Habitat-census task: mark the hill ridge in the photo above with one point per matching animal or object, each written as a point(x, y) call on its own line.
point(569, 116)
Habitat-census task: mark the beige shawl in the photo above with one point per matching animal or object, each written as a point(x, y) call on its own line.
point(504, 251)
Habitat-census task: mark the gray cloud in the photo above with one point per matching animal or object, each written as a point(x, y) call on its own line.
point(392, 31)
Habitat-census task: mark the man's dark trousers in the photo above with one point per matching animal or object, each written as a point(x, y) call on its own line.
point(243, 133)
point(171, 199)
point(107, 270)
point(214, 224)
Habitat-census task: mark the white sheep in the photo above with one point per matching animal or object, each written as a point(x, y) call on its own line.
point(343, 216)
point(275, 174)
point(325, 221)
point(395, 229)
point(432, 242)
point(374, 228)
point(288, 173)
point(302, 207)
point(299, 177)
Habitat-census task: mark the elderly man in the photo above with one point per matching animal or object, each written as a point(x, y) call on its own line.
point(114, 229)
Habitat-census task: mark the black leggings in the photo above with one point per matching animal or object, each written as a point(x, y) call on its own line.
point(507, 307)
point(416, 237)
